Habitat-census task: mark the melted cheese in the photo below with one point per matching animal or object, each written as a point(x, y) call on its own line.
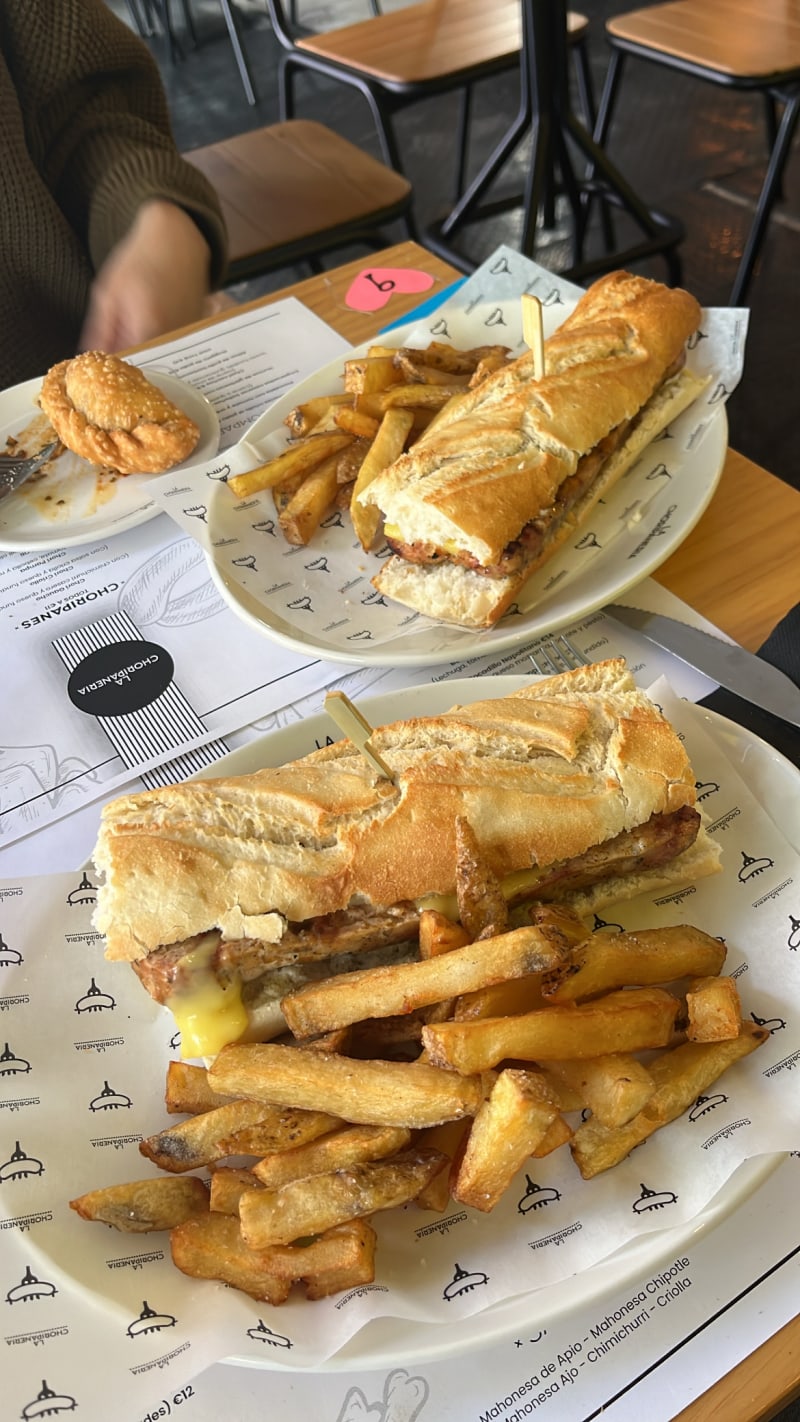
point(208, 1014)
point(513, 884)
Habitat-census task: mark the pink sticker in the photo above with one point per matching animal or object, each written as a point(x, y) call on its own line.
point(373, 287)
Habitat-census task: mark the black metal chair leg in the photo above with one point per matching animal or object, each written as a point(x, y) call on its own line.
point(188, 20)
point(771, 114)
point(599, 132)
point(583, 75)
point(462, 138)
point(494, 163)
point(769, 192)
point(382, 118)
point(241, 62)
point(285, 88)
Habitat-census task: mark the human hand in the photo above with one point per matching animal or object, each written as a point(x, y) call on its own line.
point(153, 281)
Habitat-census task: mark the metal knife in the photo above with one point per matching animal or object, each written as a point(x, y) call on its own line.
point(740, 671)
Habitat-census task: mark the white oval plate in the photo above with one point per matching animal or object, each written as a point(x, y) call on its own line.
point(387, 1342)
point(71, 501)
point(630, 534)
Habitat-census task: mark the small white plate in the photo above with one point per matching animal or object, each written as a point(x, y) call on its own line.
point(387, 1342)
point(71, 501)
point(323, 604)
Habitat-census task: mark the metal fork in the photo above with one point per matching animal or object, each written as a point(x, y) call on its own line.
point(14, 471)
point(557, 654)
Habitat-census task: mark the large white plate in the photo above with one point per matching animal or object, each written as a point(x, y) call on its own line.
point(386, 1342)
point(642, 522)
point(72, 502)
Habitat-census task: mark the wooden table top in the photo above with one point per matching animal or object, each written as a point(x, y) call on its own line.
point(738, 567)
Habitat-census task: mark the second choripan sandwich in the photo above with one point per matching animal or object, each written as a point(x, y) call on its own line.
point(509, 471)
point(227, 894)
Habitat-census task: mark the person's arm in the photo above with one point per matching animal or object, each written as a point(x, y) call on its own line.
point(141, 290)
point(97, 126)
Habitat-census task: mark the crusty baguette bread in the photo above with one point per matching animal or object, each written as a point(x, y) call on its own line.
point(545, 774)
point(497, 456)
point(453, 593)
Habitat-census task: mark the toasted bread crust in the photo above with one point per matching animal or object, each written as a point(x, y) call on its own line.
point(497, 456)
point(542, 775)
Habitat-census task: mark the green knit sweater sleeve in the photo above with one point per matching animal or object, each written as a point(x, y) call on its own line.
point(97, 124)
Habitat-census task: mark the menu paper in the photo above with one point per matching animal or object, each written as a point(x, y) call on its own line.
point(103, 642)
point(294, 585)
point(106, 1315)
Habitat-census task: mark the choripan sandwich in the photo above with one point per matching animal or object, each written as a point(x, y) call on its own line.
point(510, 470)
point(227, 894)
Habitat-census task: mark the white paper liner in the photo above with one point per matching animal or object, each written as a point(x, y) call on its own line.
point(77, 1027)
point(321, 595)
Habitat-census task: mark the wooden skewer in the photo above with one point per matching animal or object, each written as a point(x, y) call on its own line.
point(533, 331)
point(358, 730)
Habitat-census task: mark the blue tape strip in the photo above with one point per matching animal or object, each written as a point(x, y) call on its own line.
point(432, 304)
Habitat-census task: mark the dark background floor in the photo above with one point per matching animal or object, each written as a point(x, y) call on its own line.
point(690, 148)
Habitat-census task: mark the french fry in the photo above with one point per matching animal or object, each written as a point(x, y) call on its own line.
point(501, 1000)
point(439, 934)
point(650, 956)
point(506, 1130)
point(212, 1248)
point(352, 1246)
point(615, 1087)
point(188, 1092)
point(355, 422)
point(627, 1021)
point(351, 1146)
point(558, 1133)
point(318, 1202)
point(283, 493)
point(416, 371)
point(196, 1142)
point(143, 1206)
point(442, 356)
point(371, 1093)
point(447, 1139)
point(282, 1129)
point(210, 1136)
point(481, 906)
point(367, 374)
point(341, 1249)
point(714, 1010)
point(562, 917)
point(423, 397)
point(303, 418)
point(298, 458)
point(402, 987)
point(308, 506)
point(680, 1077)
point(228, 1184)
point(387, 446)
point(487, 366)
point(350, 461)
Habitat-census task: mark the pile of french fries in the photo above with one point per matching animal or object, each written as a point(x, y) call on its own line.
point(341, 442)
point(430, 1080)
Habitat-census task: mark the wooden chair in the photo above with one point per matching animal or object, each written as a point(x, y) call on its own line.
point(293, 191)
point(736, 44)
point(397, 58)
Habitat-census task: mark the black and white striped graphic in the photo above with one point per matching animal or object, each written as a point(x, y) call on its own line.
point(155, 731)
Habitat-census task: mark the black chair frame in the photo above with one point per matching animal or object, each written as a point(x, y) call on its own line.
point(384, 98)
point(780, 94)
